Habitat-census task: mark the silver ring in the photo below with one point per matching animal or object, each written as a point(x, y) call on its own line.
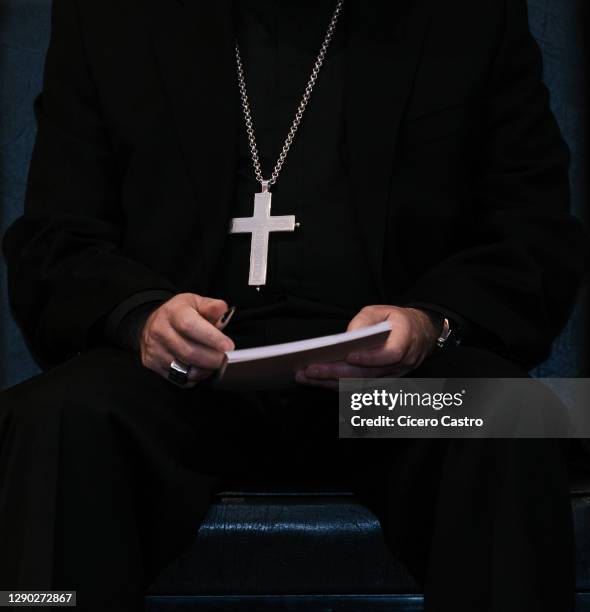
point(178, 372)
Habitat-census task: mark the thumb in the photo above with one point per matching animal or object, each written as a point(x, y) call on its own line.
point(211, 309)
point(369, 315)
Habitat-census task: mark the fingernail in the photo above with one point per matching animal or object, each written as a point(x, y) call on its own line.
point(314, 371)
point(300, 376)
point(354, 357)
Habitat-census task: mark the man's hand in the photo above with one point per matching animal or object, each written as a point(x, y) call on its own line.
point(183, 328)
point(413, 337)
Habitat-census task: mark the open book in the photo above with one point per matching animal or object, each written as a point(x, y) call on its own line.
point(275, 365)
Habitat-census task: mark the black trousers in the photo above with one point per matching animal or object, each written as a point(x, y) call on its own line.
point(106, 471)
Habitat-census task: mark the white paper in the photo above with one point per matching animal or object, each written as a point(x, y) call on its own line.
point(275, 365)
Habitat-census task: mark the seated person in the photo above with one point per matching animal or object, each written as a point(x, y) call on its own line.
point(422, 180)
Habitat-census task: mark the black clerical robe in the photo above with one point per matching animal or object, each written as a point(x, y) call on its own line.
point(457, 172)
point(317, 277)
point(454, 175)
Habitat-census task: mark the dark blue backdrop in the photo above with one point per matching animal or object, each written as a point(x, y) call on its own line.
point(24, 32)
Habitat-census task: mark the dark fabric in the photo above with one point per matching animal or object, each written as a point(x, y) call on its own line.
point(465, 206)
point(101, 490)
point(122, 326)
point(125, 332)
point(322, 261)
point(308, 277)
point(581, 506)
point(279, 42)
point(557, 25)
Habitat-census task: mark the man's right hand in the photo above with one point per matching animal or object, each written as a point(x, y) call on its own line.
point(183, 329)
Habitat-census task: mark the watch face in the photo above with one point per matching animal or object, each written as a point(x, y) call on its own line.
point(450, 334)
point(446, 330)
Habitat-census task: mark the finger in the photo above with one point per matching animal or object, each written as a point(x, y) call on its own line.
point(195, 374)
point(302, 379)
point(367, 316)
point(158, 367)
point(389, 355)
point(341, 369)
point(211, 308)
point(193, 327)
point(192, 353)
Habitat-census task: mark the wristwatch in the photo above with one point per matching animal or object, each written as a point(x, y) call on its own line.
point(445, 334)
point(450, 331)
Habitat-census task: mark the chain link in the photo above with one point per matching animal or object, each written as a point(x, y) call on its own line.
point(300, 109)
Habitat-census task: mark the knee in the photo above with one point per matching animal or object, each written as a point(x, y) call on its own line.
point(469, 362)
point(531, 455)
point(503, 460)
point(87, 388)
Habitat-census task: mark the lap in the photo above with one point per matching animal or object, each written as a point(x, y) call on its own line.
point(272, 429)
point(108, 374)
point(105, 399)
point(289, 438)
point(107, 391)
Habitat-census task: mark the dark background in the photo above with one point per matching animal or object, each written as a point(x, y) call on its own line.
point(558, 25)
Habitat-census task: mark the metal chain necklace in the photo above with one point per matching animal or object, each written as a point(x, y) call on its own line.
point(300, 109)
point(262, 222)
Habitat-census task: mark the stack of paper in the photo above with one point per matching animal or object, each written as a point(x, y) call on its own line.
point(275, 365)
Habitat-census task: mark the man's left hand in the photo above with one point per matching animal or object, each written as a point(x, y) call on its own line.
point(413, 337)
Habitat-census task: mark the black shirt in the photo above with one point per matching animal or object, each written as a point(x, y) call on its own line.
point(317, 276)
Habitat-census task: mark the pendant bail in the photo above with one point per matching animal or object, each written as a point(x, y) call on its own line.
point(265, 186)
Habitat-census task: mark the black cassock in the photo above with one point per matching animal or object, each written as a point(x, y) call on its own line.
point(428, 170)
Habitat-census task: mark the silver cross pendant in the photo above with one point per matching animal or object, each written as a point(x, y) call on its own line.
point(260, 225)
